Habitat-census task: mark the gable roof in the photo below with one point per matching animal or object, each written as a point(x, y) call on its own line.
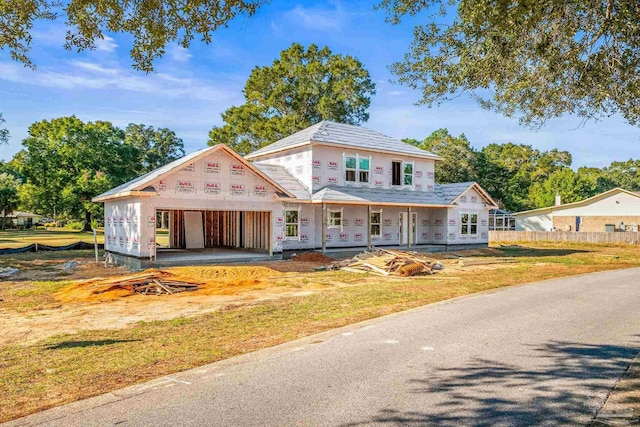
point(342, 135)
point(453, 191)
point(138, 186)
point(282, 176)
point(584, 202)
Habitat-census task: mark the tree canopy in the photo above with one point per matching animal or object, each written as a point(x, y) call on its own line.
point(8, 196)
point(301, 88)
point(152, 24)
point(66, 162)
point(535, 60)
point(154, 147)
point(520, 177)
point(459, 163)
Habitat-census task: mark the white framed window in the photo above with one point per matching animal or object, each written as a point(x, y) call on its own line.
point(469, 223)
point(375, 223)
point(363, 169)
point(407, 173)
point(292, 224)
point(335, 218)
point(350, 168)
point(356, 168)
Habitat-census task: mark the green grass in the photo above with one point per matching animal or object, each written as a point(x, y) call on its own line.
point(53, 237)
point(65, 368)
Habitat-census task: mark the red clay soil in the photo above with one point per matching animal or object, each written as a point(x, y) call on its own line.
point(212, 280)
point(313, 257)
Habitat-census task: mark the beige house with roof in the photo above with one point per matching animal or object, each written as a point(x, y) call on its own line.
point(613, 210)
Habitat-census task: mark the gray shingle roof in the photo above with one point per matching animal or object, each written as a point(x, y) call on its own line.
point(443, 195)
point(282, 176)
point(153, 175)
point(340, 134)
point(450, 192)
point(340, 194)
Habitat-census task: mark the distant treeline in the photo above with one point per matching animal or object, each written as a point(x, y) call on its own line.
point(520, 177)
point(65, 162)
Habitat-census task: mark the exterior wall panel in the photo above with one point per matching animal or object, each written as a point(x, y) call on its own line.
point(122, 228)
point(470, 202)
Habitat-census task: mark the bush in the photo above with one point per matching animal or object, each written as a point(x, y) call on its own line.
point(74, 225)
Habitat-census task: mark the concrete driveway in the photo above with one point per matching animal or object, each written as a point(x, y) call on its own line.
point(539, 354)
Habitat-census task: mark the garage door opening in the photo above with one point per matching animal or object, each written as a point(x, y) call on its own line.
point(214, 233)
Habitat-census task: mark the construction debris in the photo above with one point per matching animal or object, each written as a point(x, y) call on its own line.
point(151, 283)
point(8, 271)
point(388, 262)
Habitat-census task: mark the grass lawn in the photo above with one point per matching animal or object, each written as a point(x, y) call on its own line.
point(59, 237)
point(69, 367)
point(53, 237)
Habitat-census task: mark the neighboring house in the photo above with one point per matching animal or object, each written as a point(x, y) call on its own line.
point(23, 219)
point(613, 210)
point(328, 186)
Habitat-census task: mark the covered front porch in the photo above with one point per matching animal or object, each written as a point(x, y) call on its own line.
point(352, 217)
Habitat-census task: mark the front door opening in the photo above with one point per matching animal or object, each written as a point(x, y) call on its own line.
point(404, 228)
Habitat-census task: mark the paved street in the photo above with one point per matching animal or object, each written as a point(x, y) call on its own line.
point(538, 354)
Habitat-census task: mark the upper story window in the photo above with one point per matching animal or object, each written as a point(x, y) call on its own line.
point(408, 173)
point(363, 169)
point(356, 168)
point(396, 173)
point(401, 173)
point(350, 169)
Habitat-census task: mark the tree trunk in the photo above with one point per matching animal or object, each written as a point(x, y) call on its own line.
point(87, 221)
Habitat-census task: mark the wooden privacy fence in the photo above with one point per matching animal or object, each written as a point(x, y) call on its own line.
point(565, 236)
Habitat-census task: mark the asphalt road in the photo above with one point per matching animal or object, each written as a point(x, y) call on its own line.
point(540, 354)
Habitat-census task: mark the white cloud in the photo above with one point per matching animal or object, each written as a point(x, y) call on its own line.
point(88, 75)
point(91, 66)
point(106, 44)
point(178, 53)
point(51, 35)
point(316, 18)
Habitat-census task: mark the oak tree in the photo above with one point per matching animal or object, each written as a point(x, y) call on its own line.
point(152, 24)
point(154, 147)
point(531, 59)
point(302, 87)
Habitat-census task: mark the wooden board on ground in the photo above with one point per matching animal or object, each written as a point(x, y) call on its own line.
point(387, 262)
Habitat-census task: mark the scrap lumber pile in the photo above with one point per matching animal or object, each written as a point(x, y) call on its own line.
point(388, 262)
point(153, 283)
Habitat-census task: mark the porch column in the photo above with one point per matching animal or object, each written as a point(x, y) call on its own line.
point(409, 227)
point(270, 233)
point(324, 228)
point(368, 226)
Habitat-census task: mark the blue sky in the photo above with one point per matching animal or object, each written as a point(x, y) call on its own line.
point(190, 88)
